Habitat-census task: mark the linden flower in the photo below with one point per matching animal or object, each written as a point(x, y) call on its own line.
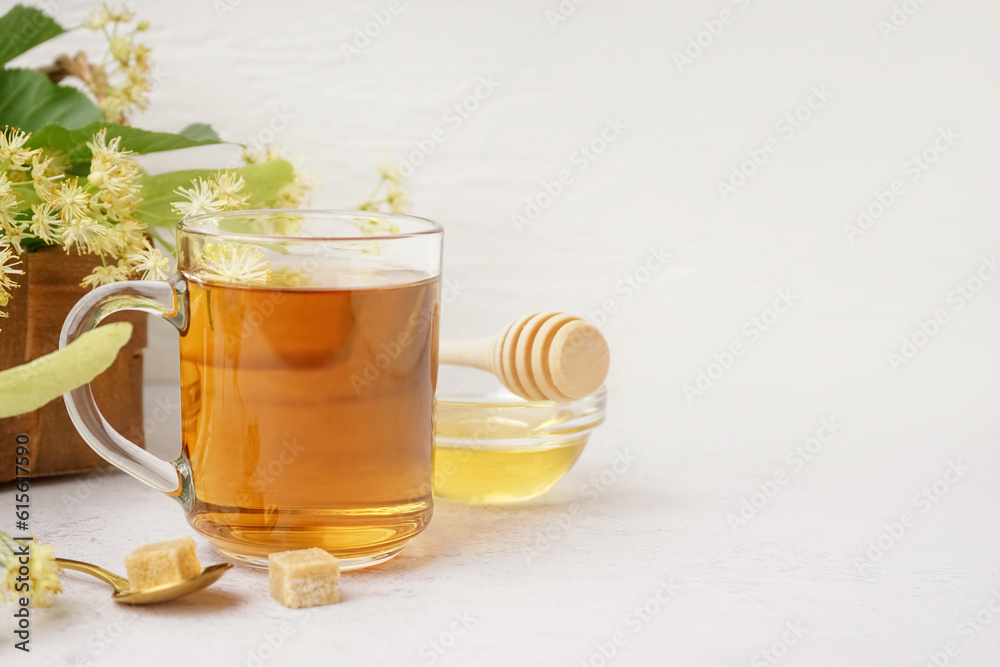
point(16, 235)
point(115, 175)
point(112, 168)
point(72, 201)
point(395, 196)
point(98, 18)
point(234, 263)
point(149, 262)
point(119, 84)
point(136, 87)
point(82, 234)
point(121, 239)
point(390, 170)
point(45, 185)
point(141, 54)
point(123, 15)
point(8, 202)
point(121, 49)
point(112, 106)
point(42, 574)
point(102, 275)
point(12, 151)
point(227, 187)
point(44, 222)
point(8, 261)
point(201, 199)
point(106, 154)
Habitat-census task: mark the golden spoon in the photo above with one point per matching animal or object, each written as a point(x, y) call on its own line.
point(124, 593)
point(544, 356)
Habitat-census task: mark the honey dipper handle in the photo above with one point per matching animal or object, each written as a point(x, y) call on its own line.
point(474, 353)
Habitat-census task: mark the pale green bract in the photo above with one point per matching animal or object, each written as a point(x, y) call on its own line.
point(28, 387)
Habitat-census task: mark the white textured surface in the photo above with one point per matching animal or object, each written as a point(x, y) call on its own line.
point(665, 517)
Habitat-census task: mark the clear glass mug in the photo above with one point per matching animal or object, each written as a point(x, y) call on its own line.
point(306, 400)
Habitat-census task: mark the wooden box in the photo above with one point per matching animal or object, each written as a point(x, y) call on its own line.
point(48, 290)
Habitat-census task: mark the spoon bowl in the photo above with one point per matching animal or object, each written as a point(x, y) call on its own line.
point(124, 594)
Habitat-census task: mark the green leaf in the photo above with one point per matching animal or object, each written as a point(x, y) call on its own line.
point(263, 182)
point(23, 28)
point(74, 142)
point(34, 244)
point(28, 387)
point(200, 132)
point(29, 101)
point(25, 191)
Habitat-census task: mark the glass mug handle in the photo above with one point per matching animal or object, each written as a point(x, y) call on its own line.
point(145, 296)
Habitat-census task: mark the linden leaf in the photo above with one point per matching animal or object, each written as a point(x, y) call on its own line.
point(24, 28)
point(27, 387)
point(74, 142)
point(29, 101)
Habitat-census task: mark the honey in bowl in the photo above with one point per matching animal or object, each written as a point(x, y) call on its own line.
point(493, 447)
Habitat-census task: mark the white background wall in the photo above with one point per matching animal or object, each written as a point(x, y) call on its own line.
point(656, 186)
point(242, 64)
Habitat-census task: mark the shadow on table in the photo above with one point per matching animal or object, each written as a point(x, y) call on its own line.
point(459, 529)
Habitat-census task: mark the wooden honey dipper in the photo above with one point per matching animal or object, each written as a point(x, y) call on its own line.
point(544, 356)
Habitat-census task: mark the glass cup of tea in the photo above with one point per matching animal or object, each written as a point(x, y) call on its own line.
point(308, 358)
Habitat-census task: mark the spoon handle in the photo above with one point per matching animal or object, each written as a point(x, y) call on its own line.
point(119, 583)
point(474, 353)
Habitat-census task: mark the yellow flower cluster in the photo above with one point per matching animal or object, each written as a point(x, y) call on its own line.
point(121, 84)
point(39, 203)
point(224, 192)
point(94, 215)
point(8, 264)
point(42, 577)
point(390, 193)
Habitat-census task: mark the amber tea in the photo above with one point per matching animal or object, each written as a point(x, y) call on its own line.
point(307, 414)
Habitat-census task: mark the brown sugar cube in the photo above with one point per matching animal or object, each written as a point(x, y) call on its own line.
point(304, 578)
point(162, 563)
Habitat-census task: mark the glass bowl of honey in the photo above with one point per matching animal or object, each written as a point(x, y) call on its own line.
point(492, 446)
